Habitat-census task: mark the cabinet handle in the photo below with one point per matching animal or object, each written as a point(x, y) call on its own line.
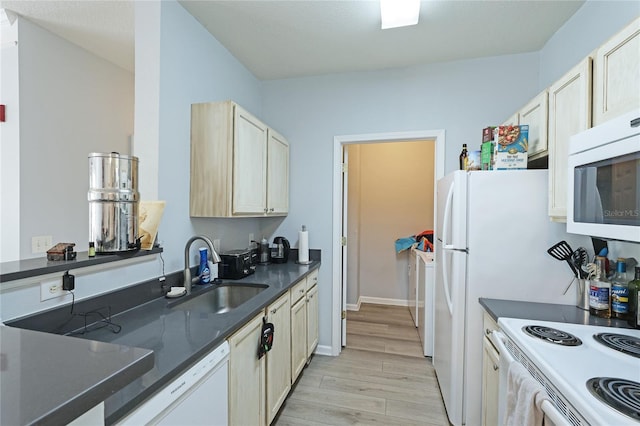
point(495, 367)
point(273, 311)
point(487, 331)
point(311, 296)
point(301, 291)
point(272, 209)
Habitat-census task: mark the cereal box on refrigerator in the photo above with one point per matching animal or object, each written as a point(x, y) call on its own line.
point(510, 147)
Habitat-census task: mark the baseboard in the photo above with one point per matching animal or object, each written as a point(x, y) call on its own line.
point(352, 307)
point(382, 301)
point(323, 350)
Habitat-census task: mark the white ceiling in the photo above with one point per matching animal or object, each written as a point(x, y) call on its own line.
point(283, 39)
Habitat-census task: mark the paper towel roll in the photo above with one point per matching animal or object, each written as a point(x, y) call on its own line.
point(303, 246)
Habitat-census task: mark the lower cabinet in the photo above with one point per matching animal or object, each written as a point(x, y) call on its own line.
point(298, 331)
point(259, 387)
point(312, 320)
point(247, 376)
point(278, 359)
point(490, 375)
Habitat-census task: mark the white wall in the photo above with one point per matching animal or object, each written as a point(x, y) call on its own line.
point(195, 67)
point(353, 222)
point(191, 67)
point(10, 146)
point(395, 192)
point(72, 103)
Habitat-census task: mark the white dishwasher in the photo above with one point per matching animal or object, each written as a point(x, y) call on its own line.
point(197, 397)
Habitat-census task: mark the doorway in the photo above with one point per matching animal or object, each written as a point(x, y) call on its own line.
point(340, 208)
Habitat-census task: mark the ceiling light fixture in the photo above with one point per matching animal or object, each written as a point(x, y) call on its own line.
point(399, 13)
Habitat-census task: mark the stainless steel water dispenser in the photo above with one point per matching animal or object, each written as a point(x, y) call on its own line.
point(113, 202)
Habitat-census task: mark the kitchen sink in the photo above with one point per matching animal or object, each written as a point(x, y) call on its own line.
point(220, 298)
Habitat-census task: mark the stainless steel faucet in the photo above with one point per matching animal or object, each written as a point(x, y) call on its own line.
point(215, 258)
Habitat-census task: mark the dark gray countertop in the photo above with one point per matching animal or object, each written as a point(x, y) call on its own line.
point(10, 271)
point(180, 337)
point(545, 312)
point(50, 379)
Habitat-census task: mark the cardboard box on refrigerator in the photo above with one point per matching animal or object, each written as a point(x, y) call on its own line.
point(510, 147)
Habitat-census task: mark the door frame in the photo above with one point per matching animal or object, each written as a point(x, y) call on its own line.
point(339, 182)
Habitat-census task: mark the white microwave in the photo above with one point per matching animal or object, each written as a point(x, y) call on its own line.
point(604, 180)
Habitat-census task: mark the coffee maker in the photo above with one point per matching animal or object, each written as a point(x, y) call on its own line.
point(280, 250)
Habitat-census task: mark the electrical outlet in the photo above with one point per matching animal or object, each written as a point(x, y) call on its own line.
point(41, 244)
point(216, 245)
point(50, 289)
point(251, 239)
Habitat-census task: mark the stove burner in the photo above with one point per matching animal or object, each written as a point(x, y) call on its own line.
point(620, 394)
point(552, 335)
point(626, 344)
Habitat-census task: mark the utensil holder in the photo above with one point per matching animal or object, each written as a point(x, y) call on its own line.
point(582, 293)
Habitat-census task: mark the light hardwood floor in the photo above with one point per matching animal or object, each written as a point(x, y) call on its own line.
point(380, 378)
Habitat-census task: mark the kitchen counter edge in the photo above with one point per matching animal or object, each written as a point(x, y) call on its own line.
point(498, 308)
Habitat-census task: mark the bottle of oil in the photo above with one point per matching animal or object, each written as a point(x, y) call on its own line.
point(600, 291)
point(464, 157)
point(620, 291)
point(634, 300)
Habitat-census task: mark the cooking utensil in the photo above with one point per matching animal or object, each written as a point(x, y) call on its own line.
point(580, 258)
point(563, 251)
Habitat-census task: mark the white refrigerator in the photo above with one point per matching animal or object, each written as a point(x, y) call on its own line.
point(492, 236)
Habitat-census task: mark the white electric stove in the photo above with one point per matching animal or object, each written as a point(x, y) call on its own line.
point(588, 382)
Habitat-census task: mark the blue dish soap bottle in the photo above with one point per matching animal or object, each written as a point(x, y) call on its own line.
point(204, 272)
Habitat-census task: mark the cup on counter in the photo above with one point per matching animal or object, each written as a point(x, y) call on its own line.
point(582, 293)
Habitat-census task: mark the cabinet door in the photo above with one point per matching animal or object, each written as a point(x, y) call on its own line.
point(617, 75)
point(211, 159)
point(490, 383)
point(277, 174)
point(249, 164)
point(279, 357)
point(569, 113)
point(246, 376)
point(511, 121)
point(312, 320)
point(535, 115)
point(298, 337)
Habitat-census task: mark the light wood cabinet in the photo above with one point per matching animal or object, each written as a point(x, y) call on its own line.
point(278, 359)
point(298, 337)
point(490, 375)
point(239, 166)
point(569, 113)
point(535, 115)
point(277, 174)
point(247, 376)
point(490, 383)
point(312, 313)
point(616, 77)
point(249, 163)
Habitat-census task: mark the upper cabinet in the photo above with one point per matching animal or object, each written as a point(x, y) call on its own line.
point(239, 166)
point(594, 91)
point(277, 174)
point(616, 71)
point(535, 114)
point(569, 113)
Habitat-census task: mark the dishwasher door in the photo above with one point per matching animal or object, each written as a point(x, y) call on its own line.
point(198, 397)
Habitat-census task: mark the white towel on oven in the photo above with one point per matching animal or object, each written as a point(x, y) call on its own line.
point(524, 398)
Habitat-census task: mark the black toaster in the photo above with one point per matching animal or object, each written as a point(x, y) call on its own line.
point(236, 264)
